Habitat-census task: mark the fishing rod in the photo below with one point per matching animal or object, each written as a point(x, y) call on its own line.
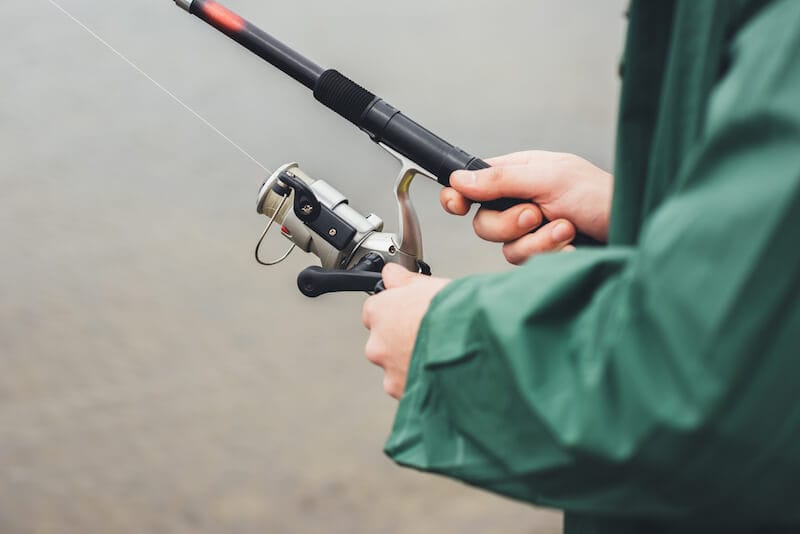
point(351, 247)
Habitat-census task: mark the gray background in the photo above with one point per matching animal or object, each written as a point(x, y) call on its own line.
point(154, 379)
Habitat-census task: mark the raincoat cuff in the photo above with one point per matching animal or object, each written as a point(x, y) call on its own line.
point(443, 340)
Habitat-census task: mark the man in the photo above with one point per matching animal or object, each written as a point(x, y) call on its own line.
point(650, 385)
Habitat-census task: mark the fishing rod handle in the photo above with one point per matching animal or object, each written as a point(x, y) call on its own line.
point(502, 204)
point(386, 124)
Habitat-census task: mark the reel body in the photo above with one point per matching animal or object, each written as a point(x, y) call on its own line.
point(352, 248)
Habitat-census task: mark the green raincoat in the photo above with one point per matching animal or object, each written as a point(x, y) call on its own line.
point(652, 385)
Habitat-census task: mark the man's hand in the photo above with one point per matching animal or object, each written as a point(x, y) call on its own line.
point(566, 189)
point(393, 318)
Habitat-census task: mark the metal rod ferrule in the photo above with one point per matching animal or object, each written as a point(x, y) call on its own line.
point(185, 4)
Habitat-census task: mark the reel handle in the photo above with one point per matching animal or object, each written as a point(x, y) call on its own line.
point(316, 281)
point(364, 277)
point(502, 204)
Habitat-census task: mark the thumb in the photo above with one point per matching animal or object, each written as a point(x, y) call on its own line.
point(515, 181)
point(396, 276)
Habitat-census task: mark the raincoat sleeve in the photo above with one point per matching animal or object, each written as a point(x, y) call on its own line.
point(660, 379)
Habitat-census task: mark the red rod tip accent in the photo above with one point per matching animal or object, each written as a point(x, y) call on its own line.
point(223, 16)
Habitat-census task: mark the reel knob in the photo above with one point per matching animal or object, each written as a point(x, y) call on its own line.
point(316, 281)
point(364, 277)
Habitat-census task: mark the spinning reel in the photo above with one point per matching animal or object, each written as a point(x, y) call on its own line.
point(352, 248)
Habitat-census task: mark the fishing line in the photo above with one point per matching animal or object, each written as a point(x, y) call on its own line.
point(164, 89)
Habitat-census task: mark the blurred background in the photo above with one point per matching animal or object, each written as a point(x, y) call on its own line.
point(154, 378)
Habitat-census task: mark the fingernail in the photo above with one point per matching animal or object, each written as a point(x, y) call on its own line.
point(451, 206)
point(562, 233)
point(464, 178)
point(527, 219)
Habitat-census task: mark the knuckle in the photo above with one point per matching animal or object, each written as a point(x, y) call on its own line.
point(493, 176)
point(374, 352)
point(390, 386)
point(367, 312)
point(539, 216)
point(478, 223)
point(446, 196)
point(511, 255)
point(521, 250)
point(496, 227)
point(374, 357)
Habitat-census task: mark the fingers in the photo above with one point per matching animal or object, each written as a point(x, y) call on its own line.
point(377, 355)
point(508, 225)
point(393, 387)
point(454, 202)
point(368, 312)
point(515, 181)
point(396, 276)
point(551, 237)
point(515, 158)
point(375, 351)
